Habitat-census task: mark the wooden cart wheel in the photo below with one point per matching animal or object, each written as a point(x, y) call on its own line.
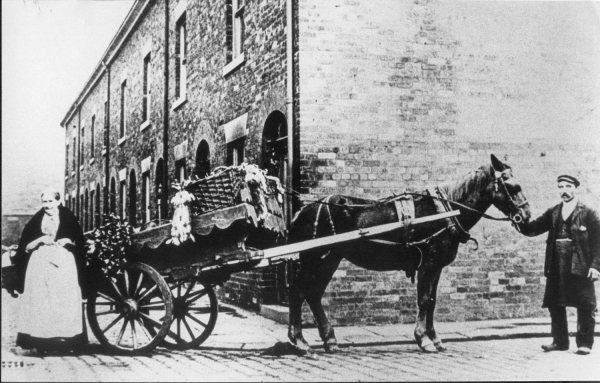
point(121, 312)
point(195, 310)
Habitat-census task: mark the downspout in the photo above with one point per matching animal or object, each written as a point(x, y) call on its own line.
point(290, 101)
point(165, 181)
point(78, 161)
point(106, 142)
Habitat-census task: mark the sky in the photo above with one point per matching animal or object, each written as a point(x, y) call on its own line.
point(49, 50)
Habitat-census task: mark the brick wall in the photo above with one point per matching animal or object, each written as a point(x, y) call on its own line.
point(399, 95)
point(257, 87)
point(388, 95)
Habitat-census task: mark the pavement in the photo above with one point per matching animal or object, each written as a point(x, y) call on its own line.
point(245, 346)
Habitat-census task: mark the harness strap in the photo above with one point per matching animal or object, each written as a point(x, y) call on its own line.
point(442, 206)
point(316, 224)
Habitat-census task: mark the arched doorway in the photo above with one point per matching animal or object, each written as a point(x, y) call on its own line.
point(274, 158)
point(274, 146)
point(132, 199)
point(85, 211)
point(97, 210)
point(113, 195)
point(202, 159)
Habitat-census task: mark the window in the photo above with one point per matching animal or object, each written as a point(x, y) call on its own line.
point(203, 160)
point(123, 122)
point(92, 134)
point(180, 54)
point(235, 152)
point(74, 153)
point(67, 161)
point(235, 29)
point(146, 88)
point(123, 199)
point(82, 149)
point(180, 170)
point(105, 136)
point(132, 199)
point(146, 197)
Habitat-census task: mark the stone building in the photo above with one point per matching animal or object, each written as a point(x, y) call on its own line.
point(354, 97)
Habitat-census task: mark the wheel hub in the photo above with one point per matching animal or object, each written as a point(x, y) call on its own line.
point(180, 307)
point(130, 308)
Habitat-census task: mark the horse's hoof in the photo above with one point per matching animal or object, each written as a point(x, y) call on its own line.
point(440, 347)
point(332, 348)
point(429, 349)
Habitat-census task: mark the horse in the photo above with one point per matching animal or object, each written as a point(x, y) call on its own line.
point(424, 249)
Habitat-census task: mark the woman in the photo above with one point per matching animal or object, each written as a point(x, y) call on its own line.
point(50, 266)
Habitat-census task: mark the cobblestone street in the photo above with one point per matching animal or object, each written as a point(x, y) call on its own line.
point(241, 346)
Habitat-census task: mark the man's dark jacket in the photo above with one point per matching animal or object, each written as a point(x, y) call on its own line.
point(68, 227)
point(585, 233)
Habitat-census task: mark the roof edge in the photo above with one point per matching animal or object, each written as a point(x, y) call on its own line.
point(109, 54)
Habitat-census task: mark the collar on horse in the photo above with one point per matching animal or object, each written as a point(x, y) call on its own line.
point(442, 205)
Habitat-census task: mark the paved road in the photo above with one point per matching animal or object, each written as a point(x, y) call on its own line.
point(241, 346)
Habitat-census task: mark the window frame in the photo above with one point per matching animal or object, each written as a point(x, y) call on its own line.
point(181, 51)
point(146, 90)
point(236, 151)
point(123, 115)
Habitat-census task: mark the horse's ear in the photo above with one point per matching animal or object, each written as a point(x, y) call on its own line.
point(497, 164)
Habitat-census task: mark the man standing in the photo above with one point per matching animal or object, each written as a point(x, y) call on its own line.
point(572, 265)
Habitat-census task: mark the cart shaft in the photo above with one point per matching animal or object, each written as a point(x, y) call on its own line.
point(350, 236)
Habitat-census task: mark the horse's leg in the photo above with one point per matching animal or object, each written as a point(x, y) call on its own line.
point(426, 282)
point(321, 275)
point(296, 299)
point(430, 329)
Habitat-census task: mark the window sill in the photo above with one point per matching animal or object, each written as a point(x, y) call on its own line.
point(179, 103)
point(92, 161)
point(234, 64)
point(121, 140)
point(145, 125)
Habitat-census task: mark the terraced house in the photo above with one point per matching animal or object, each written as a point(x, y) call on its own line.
point(357, 97)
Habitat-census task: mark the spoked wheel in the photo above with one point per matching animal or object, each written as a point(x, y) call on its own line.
point(195, 310)
point(121, 313)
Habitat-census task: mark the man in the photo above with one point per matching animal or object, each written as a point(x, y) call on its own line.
point(572, 265)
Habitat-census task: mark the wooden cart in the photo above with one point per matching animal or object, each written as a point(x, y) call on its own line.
point(165, 296)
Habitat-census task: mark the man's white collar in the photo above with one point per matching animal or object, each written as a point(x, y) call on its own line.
point(568, 207)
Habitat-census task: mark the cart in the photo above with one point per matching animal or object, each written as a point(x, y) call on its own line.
point(165, 296)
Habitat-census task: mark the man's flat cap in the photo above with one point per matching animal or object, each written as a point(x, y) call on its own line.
point(569, 179)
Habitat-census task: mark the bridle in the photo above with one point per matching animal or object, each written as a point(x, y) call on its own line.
point(513, 215)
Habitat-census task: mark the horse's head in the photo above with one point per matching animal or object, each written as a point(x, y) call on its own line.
point(506, 192)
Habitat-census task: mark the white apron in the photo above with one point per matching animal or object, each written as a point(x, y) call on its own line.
point(51, 302)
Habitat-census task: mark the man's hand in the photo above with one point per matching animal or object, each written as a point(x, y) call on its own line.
point(593, 274)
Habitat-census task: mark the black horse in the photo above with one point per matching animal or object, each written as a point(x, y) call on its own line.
point(425, 248)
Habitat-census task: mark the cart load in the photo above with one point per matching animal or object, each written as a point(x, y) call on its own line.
point(215, 219)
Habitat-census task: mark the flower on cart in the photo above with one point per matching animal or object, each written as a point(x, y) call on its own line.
point(107, 246)
point(181, 228)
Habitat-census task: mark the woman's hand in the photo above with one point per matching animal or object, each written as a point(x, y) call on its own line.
point(64, 242)
point(44, 240)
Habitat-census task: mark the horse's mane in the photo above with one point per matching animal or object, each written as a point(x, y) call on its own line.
point(473, 182)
